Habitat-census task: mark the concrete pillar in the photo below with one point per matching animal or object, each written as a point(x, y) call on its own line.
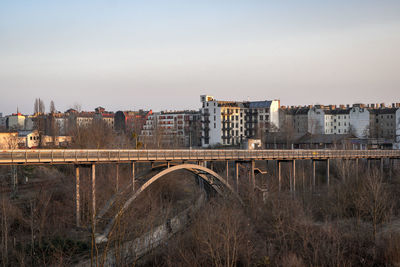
point(117, 178)
point(253, 176)
point(133, 175)
point(77, 194)
point(168, 164)
point(357, 168)
point(227, 171)
point(237, 175)
point(279, 176)
point(313, 174)
point(294, 175)
point(327, 172)
point(93, 168)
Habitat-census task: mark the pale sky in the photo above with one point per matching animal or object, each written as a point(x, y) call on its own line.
point(128, 55)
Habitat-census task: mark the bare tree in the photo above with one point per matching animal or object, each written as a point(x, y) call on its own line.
point(52, 107)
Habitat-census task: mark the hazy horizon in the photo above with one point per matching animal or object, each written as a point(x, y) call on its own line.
point(127, 55)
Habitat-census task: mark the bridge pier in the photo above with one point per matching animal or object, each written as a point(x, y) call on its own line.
point(77, 198)
point(227, 171)
point(237, 175)
point(357, 168)
point(327, 172)
point(117, 178)
point(293, 183)
point(313, 174)
point(253, 176)
point(279, 176)
point(133, 175)
point(93, 169)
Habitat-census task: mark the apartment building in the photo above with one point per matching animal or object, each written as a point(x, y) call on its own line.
point(232, 122)
point(171, 129)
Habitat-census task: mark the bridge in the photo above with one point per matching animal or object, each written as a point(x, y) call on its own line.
point(199, 162)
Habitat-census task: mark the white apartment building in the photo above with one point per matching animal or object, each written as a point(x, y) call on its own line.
point(328, 120)
point(231, 122)
point(16, 121)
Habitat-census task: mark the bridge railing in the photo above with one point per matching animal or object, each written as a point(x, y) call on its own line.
point(108, 155)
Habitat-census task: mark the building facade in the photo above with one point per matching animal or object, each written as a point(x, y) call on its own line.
point(232, 122)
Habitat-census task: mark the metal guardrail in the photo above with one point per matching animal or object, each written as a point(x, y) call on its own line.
point(44, 156)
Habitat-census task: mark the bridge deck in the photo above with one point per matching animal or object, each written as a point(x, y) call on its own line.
point(72, 156)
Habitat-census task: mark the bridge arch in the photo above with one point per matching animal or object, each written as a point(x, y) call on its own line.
point(213, 179)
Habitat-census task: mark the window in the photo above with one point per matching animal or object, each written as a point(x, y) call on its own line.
point(215, 125)
point(261, 117)
point(237, 117)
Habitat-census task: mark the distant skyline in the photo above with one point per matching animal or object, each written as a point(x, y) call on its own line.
point(162, 55)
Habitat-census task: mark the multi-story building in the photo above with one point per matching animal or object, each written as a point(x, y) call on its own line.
point(132, 121)
point(382, 123)
point(16, 121)
point(359, 121)
point(231, 122)
point(171, 129)
point(398, 127)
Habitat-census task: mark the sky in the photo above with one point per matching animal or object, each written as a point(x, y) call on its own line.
point(162, 55)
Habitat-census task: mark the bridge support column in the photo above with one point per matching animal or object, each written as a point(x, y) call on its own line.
point(133, 175)
point(357, 168)
point(390, 168)
point(253, 176)
point(168, 164)
point(93, 169)
point(327, 172)
point(227, 171)
point(117, 178)
point(237, 175)
point(293, 184)
point(279, 176)
point(77, 199)
point(381, 168)
point(313, 174)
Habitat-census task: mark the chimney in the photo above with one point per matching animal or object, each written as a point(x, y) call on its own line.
point(393, 105)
